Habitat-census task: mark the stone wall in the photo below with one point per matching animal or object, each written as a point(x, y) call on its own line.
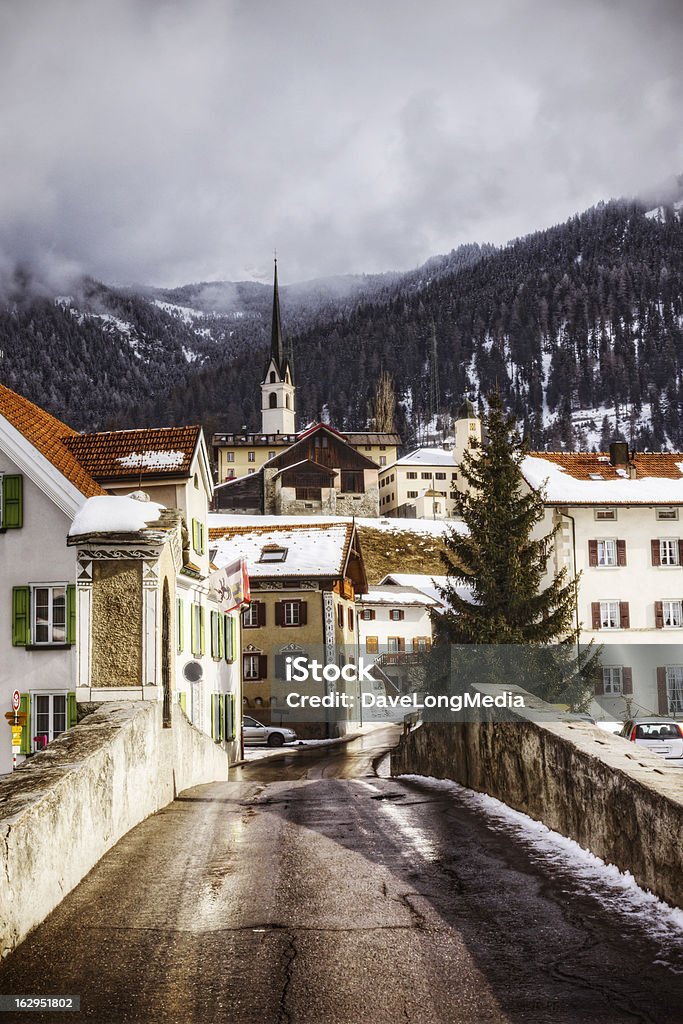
point(62, 811)
point(117, 623)
point(611, 796)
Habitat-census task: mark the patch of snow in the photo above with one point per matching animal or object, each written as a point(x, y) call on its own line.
point(114, 514)
point(152, 460)
point(435, 527)
point(190, 356)
point(561, 487)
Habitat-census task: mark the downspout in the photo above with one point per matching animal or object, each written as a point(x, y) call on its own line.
point(576, 601)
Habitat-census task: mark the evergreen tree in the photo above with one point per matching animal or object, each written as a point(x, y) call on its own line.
point(504, 563)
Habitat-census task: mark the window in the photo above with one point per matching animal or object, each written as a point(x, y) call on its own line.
point(382, 460)
point(197, 639)
point(371, 644)
point(453, 495)
point(273, 378)
point(368, 447)
point(291, 613)
point(251, 456)
point(352, 481)
point(674, 689)
point(395, 644)
point(216, 635)
point(309, 493)
point(271, 455)
point(666, 514)
point(411, 476)
point(340, 616)
point(440, 476)
point(350, 619)
point(382, 447)
point(50, 717)
point(421, 643)
point(198, 536)
point(605, 514)
point(273, 553)
point(672, 612)
point(250, 471)
point(230, 456)
point(251, 666)
point(607, 552)
point(426, 476)
point(609, 615)
point(611, 679)
point(272, 400)
point(412, 494)
point(367, 614)
point(11, 502)
point(668, 551)
point(49, 615)
point(397, 614)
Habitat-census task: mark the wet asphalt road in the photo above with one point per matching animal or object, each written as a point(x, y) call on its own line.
point(309, 890)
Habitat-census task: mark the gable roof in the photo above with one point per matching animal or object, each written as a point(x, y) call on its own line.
point(589, 478)
point(298, 451)
point(136, 454)
point(316, 550)
point(49, 436)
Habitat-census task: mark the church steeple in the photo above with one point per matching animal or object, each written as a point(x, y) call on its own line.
point(277, 388)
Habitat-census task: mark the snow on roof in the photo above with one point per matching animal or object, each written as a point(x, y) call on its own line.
point(309, 550)
point(398, 595)
point(152, 460)
point(114, 514)
point(427, 584)
point(436, 527)
point(563, 488)
point(425, 457)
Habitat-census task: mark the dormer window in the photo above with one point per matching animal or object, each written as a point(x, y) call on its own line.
point(273, 553)
point(272, 377)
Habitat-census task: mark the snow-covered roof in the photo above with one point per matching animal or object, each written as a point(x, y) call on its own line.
point(425, 457)
point(589, 479)
point(309, 550)
point(397, 595)
point(219, 520)
point(114, 514)
point(427, 584)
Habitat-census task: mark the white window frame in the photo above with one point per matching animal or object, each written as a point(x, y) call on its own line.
point(674, 689)
point(253, 674)
point(605, 614)
point(50, 732)
point(51, 642)
point(675, 612)
point(665, 514)
point(607, 553)
point(672, 544)
point(612, 680)
point(250, 615)
point(605, 514)
point(230, 456)
point(291, 613)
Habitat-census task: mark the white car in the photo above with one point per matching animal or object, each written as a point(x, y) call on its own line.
point(255, 734)
point(662, 736)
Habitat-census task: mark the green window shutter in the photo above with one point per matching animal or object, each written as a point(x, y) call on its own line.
point(180, 624)
point(72, 710)
point(201, 538)
point(195, 535)
point(21, 616)
point(193, 629)
point(219, 634)
point(229, 732)
point(215, 727)
point(71, 613)
point(233, 637)
point(226, 637)
point(202, 630)
point(25, 709)
point(12, 502)
point(214, 634)
point(221, 718)
point(182, 700)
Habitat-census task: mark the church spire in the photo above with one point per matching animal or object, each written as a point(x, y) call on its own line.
point(277, 348)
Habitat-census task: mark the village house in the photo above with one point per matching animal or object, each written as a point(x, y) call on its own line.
point(304, 580)
point(619, 531)
point(56, 636)
point(395, 633)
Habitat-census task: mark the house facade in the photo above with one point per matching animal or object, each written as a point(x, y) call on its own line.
point(619, 519)
point(304, 580)
point(395, 633)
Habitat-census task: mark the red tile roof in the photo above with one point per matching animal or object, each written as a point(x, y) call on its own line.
point(587, 465)
point(49, 436)
point(135, 454)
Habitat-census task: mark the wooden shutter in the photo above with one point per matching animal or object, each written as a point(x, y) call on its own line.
point(659, 615)
point(599, 681)
point(233, 637)
point(680, 552)
point(71, 613)
point(595, 614)
point(21, 616)
point(303, 613)
point(624, 615)
point(263, 666)
point(221, 717)
point(180, 623)
point(654, 549)
point(71, 710)
point(229, 716)
point(25, 709)
point(227, 637)
point(662, 696)
point(340, 616)
point(592, 552)
point(182, 700)
point(202, 630)
point(626, 680)
point(279, 613)
point(193, 629)
point(261, 605)
point(350, 618)
point(621, 552)
point(214, 634)
point(12, 502)
point(214, 717)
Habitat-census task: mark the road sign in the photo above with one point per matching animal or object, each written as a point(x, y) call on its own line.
point(16, 700)
point(16, 717)
point(16, 735)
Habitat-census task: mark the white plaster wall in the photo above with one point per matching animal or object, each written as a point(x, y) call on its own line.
point(75, 800)
point(36, 553)
point(416, 623)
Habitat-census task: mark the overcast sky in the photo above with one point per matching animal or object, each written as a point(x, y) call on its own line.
point(167, 141)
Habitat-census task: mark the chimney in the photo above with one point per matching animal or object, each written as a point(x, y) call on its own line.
point(618, 453)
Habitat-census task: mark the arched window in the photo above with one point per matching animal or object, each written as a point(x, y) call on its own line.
point(287, 401)
point(272, 377)
point(272, 400)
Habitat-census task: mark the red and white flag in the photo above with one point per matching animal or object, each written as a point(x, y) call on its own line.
point(231, 585)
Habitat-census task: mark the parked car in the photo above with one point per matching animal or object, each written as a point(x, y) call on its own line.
point(660, 735)
point(256, 734)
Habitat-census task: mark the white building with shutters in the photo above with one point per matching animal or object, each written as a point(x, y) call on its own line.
point(619, 519)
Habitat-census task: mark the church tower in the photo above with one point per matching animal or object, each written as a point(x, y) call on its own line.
point(467, 427)
point(277, 388)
